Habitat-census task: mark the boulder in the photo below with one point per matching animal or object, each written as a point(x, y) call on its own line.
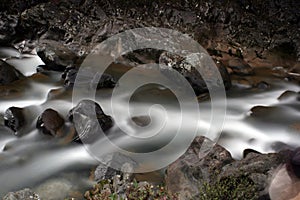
point(186, 175)
point(88, 117)
point(8, 73)
point(218, 176)
point(178, 63)
point(87, 77)
point(14, 119)
point(50, 122)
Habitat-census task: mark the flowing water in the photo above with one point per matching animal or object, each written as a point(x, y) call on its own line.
point(39, 161)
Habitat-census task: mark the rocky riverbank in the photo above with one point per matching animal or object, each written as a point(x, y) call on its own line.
point(248, 40)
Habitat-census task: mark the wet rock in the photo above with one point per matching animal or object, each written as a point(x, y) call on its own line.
point(262, 85)
point(8, 73)
point(280, 72)
point(50, 122)
point(190, 73)
point(242, 83)
point(87, 78)
point(14, 119)
point(88, 118)
point(25, 194)
point(240, 67)
point(288, 95)
point(188, 173)
point(248, 151)
point(141, 120)
point(55, 56)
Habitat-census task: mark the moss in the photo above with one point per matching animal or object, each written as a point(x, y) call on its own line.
point(106, 190)
point(233, 188)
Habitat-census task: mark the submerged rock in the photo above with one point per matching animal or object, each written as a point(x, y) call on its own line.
point(50, 122)
point(8, 73)
point(25, 194)
point(88, 117)
point(240, 67)
point(14, 119)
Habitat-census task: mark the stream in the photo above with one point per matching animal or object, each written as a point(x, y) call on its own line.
point(41, 162)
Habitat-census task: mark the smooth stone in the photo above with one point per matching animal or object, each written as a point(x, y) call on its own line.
point(50, 122)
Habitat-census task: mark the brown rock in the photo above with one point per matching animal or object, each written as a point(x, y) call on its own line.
point(240, 67)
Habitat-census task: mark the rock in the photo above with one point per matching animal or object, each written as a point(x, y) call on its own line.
point(8, 73)
point(70, 74)
point(258, 167)
point(50, 122)
point(141, 120)
point(8, 24)
point(25, 194)
point(83, 118)
point(295, 162)
point(288, 95)
point(14, 119)
point(280, 72)
point(188, 173)
point(262, 85)
point(55, 56)
point(189, 72)
point(240, 67)
point(212, 174)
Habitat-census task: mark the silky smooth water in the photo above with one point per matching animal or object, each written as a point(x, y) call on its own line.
point(33, 159)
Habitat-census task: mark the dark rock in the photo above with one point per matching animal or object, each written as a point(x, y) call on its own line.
point(247, 151)
point(8, 24)
point(190, 73)
point(258, 167)
point(14, 118)
point(8, 73)
point(86, 77)
point(141, 120)
point(25, 194)
point(288, 95)
point(50, 122)
point(262, 85)
point(55, 56)
point(188, 173)
point(89, 114)
point(240, 67)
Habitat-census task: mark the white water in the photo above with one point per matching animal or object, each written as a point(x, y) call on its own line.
point(33, 158)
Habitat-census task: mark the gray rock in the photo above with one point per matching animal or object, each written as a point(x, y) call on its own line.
point(189, 173)
point(190, 73)
point(8, 73)
point(25, 194)
point(88, 117)
point(14, 119)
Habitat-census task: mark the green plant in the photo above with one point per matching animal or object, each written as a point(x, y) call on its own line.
point(230, 188)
